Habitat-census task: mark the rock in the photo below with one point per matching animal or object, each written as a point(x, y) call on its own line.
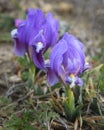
point(2, 84)
point(26, 4)
point(15, 79)
point(3, 87)
point(98, 22)
point(47, 7)
point(64, 7)
point(1, 128)
point(7, 52)
point(6, 5)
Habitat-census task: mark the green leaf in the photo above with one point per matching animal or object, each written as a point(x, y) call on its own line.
point(69, 104)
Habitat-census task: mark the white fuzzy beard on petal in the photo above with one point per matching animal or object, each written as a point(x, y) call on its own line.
point(13, 33)
point(72, 84)
point(47, 61)
point(87, 64)
point(39, 46)
point(73, 80)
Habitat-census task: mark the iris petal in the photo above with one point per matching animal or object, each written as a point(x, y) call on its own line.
point(79, 81)
point(14, 33)
point(57, 55)
point(19, 48)
point(18, 22)
point(36, 18)
point(51, 28)
point(51, 77)
point(38, 59)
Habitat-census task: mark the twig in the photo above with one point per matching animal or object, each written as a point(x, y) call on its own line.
point(88, 108)
point(26, 96)
point(6, 79)
point(62, 124)
point(42, 96)
point(11, 104)
point(11, 90)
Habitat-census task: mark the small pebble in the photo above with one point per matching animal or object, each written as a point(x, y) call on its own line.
point(14, 79)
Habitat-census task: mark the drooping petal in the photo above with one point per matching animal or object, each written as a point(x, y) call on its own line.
point(74, 81)
point(79, 81)
point(71, 80)
point(51, 77)
point(38, 59)
point(19, 48)
point(36, 53)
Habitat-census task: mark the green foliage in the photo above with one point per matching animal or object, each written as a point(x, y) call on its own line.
point(69, 104)
point(23, 122)
point(4, 101)
point(28, 71)
point(6, 22)
point(24, 75)
point(32, 119)
point(96, 75)
point(99, 74)
point(100, 56)
point(6, 107)
point(101, 79)
point(72, 110)
point(24, 61)
point(5, 37)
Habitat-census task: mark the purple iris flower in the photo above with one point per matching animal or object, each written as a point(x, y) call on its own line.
point(67, 61)
point(35, 35)
point(47, 37)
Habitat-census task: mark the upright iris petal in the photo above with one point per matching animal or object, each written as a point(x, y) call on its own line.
point(51, 28)
point(47, 37)
point(67, 60)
